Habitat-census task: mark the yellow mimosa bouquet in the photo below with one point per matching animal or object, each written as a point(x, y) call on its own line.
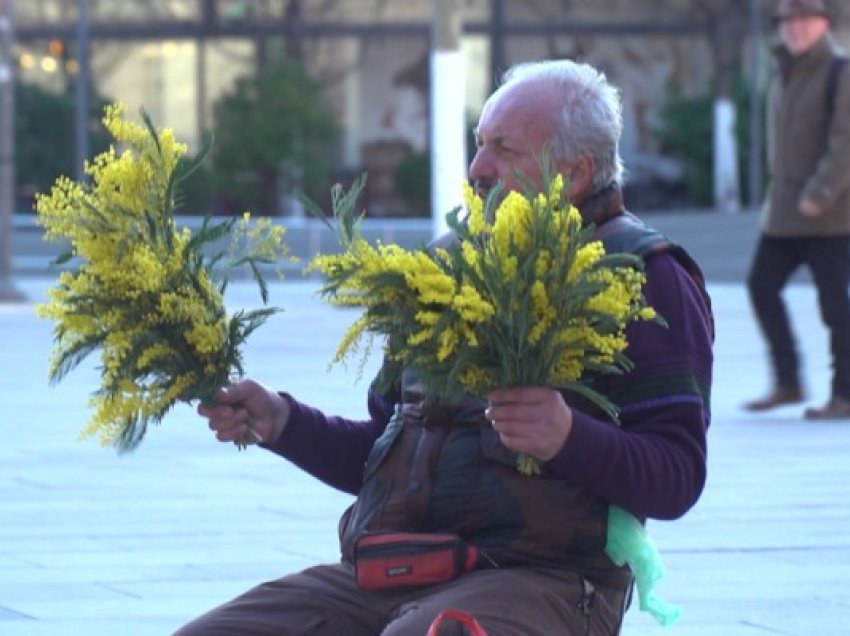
point(146, 295)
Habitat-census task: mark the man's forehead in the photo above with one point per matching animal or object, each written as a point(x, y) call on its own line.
point(495, 133)
point(511, 112)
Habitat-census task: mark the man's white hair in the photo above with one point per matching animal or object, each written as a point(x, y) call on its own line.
point(590, 120)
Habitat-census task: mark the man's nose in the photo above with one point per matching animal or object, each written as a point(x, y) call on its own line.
point(478, 169)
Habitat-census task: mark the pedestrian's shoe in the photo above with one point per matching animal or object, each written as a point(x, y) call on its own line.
point(779, 397)
point(836, 409)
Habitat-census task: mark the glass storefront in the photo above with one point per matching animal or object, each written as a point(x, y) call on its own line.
point(178, 58)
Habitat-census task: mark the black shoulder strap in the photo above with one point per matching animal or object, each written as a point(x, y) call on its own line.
point(628, 233)
point(835, 66)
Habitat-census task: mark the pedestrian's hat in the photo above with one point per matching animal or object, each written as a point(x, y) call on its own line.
point(800, 8)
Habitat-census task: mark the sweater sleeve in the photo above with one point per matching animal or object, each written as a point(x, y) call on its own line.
point(654, 463)
point(331, 448)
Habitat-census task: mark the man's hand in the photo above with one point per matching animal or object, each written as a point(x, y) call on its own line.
point(810, 208)
point(244, 402)
point(531, 420)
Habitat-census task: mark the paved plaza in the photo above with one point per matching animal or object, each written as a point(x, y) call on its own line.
point(93, 543)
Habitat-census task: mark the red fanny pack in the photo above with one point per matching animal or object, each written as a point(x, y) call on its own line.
point(400, 559)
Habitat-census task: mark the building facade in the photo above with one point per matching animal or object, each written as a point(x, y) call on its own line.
point(176, 58)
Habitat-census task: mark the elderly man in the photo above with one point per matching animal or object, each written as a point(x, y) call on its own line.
point(806, 219)
point(541, 567)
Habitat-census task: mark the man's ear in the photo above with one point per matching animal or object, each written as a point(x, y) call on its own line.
point(579, 173)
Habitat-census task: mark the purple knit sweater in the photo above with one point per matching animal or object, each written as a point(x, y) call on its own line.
point(653, 464)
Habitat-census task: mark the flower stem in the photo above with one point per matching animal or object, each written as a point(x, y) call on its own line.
point(527, 465)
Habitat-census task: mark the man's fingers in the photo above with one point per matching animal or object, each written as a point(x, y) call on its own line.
point(510, 429)
point(231, 394)
point(516, 442)
point(519, 395)
point(231, 433)
point(513, 412)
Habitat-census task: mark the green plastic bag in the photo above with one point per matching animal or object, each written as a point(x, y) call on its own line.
point(630, 544)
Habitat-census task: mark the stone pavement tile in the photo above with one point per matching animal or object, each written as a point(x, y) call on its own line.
point(765, 549)
point(760, 617)
point(152, 626)
point(23, 576)
point(96, 543)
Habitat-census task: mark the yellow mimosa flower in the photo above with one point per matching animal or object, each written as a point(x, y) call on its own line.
point(524, 297)
point(145, 294)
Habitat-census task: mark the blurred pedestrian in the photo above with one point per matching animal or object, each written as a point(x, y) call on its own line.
point(806, 218)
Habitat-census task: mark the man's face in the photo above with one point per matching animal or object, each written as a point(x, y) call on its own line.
point(799, 33)
point(512, 132)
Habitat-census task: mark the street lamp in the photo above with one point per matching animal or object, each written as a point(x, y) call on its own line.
point(8, 293)
point(81, 111)
point(448, 138)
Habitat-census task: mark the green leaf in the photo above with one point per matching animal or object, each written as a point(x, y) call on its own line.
point(261, 282)
point(146, 119)
point(596, 398)
point(187, 167)
point(63, 258)
point(345, 204)
point(71, 357)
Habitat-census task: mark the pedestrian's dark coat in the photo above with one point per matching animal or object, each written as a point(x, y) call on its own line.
point(809, 150)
